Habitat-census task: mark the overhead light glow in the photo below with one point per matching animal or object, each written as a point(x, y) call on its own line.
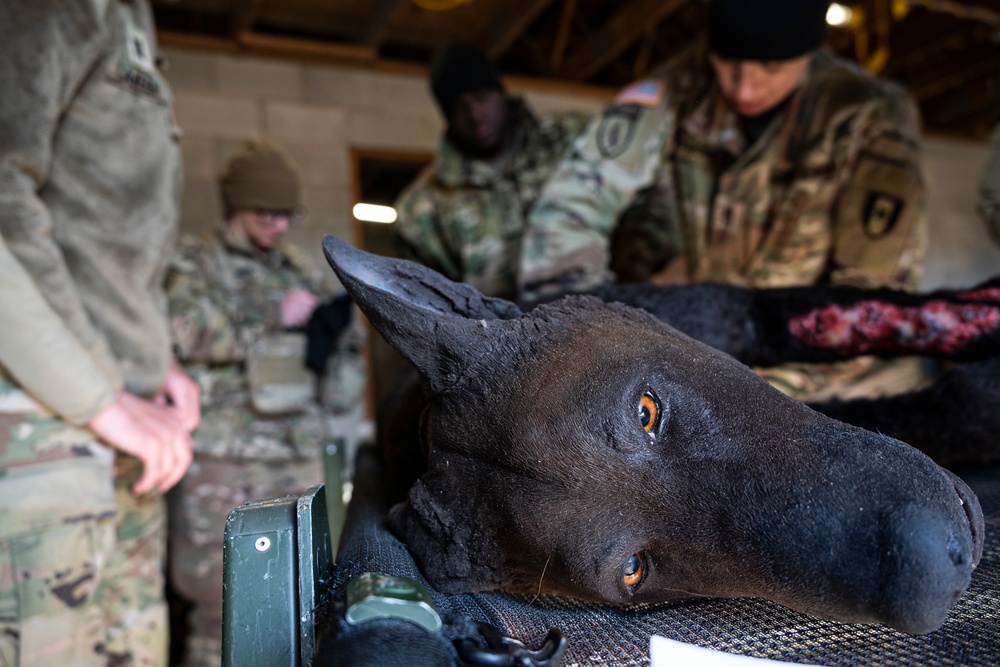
point(374, 213)
point(839, 15)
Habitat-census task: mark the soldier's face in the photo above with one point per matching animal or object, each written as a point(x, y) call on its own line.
point(478, 121)
point(753, 87)
point(261, 228)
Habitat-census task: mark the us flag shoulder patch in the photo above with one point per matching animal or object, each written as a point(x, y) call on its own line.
point(642, 93)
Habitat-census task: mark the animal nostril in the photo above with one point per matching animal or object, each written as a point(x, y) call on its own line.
point(955, 551)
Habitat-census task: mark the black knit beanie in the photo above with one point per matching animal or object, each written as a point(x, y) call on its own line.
point(766, 30)
point(458, 68)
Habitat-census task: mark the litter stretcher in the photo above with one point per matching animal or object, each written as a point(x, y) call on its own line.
point(288, 601)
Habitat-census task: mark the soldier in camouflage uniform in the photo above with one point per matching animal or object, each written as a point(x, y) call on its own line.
point(989, 190)
point(760, 160)
point(94, 416)
point(465, 214)
point(239, 301)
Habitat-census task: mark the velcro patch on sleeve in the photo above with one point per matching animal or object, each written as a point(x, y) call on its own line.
point(878, 215)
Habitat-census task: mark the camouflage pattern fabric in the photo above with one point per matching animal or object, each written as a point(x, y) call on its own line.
point(81, 558)
point(465, 217)
point(224, 299)
point(832, 192)
point(989, 190)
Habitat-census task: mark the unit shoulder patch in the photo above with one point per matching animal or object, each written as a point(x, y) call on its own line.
point(881, 213)
point(617, 130)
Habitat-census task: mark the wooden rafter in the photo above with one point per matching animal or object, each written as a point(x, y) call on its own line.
point(305, 49)
point(510, 30)
point(244, 17)
point(961, 105)
point(951, 75)
point(383, 11)
point(627, 25)
point(641, 65)
point(562, 34)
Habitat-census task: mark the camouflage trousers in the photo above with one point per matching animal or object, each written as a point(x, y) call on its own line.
point(81, 557)
point(198, 508)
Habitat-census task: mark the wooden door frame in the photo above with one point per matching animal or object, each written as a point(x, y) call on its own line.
point(357, 154)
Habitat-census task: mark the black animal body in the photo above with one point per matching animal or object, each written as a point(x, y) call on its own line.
point(586, 448)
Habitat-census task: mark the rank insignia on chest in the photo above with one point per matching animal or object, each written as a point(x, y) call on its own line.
point(881, 214)
point(617, 130)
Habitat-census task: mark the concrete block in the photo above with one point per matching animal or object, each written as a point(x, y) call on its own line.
point(198, 153)
point(329, 210)
point(201, 205)
point(255, 77)
point(393, 131)
point(960, 252)
point(322, 163)
point(360, 89)
point(328, 213)
point(290, 122)
point(330, 86)
point(548, 103)
point(190, 71)
point(217, 115)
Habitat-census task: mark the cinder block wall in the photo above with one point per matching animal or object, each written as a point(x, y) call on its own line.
point(321, 113)
point(961, 252)
point(318, 113)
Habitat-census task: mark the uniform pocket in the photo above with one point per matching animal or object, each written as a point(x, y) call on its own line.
point(49, 581)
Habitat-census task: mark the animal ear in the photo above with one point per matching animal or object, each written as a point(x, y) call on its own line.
point(446, 541)
point(440, 326)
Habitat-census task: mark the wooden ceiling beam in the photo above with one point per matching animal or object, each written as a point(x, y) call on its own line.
point(375, 32)
point(244, 17)
point(305, 49)
point(954, 108)
point(510, 30)
point(626, 26)
point(955, 76)
point(562, 34)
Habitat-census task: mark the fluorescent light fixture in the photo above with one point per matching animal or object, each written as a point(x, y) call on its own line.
point(839, 15)
point(374, 213)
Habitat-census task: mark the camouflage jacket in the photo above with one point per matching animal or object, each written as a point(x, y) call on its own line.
point(89, 182)
point(465, 217)
point(989, 190)
point(831, 192)
point(224, 300)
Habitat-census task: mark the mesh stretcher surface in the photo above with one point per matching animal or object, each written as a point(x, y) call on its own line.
point(601, 635)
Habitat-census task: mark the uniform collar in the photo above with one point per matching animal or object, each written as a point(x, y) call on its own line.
point(455, 169)
point(273, 258)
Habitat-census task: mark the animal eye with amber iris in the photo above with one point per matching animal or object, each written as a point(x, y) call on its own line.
point(649, 412)
point(634, 570)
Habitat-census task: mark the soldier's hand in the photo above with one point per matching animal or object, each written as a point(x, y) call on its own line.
point(152, 433)
point(296, 307)
point(184, 396)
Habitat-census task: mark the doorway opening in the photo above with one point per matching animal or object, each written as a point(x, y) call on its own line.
point(379, 177)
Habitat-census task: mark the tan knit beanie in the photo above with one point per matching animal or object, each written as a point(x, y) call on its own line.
point(261, 176)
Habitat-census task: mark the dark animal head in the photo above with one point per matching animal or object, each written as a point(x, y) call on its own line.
point(587, 449)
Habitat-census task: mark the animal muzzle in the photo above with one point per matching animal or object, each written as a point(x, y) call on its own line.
point(927, 562)
point(880, 535)
point(911, 560)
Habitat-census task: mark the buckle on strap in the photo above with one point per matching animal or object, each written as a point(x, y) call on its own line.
point(503, 651)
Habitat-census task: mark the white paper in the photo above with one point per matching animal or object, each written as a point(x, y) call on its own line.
point(665, 652)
